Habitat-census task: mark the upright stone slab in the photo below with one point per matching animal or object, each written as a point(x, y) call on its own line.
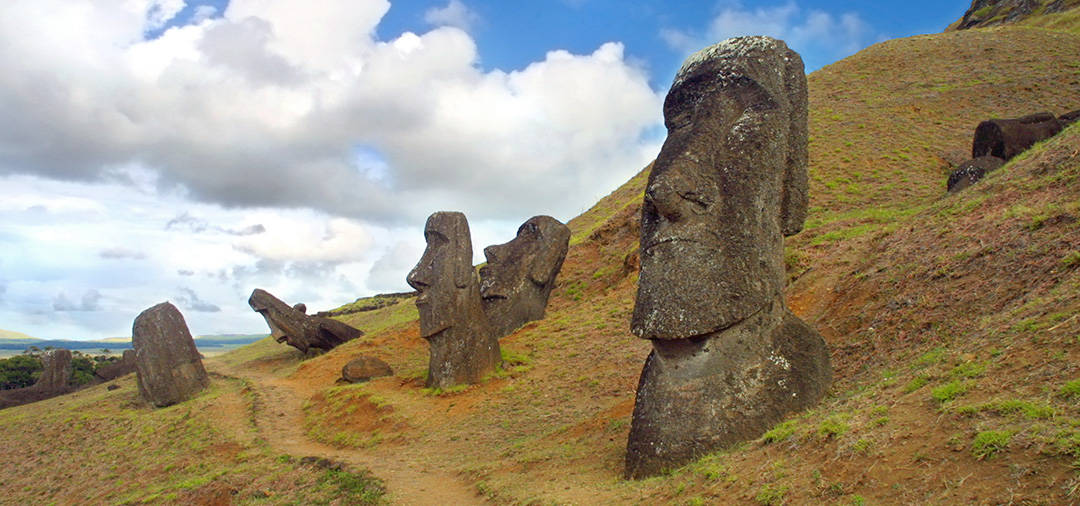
point(519, 275)
point(291, 325)
point(168, 366)
point(56, 372)
point(729, 360)
point(463, 348)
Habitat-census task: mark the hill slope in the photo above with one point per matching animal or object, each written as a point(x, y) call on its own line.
point(951, 320)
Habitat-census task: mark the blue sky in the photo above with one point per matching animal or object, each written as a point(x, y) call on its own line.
point(191, 151)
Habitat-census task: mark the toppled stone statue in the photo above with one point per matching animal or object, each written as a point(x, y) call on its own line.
point(1006, 138)
point(55, 380)
point(729, 360)
point(364, 368)
point(972, 171)
point(290, 324)
point(463, 348)
point(1069, 118)
point(122, 367)
point(519, 275)
point(168, 367)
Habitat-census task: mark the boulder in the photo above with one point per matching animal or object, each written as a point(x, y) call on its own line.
point(729, 360)
point(519, 275)
point(971, 171)
point(122, 367)
point(364, 368)
point(168, 367)
point(463, 349)
point(1006, 138)
point(290, 324)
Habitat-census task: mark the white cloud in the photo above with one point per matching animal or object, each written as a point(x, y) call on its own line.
point(817, 35)
point(455, 14)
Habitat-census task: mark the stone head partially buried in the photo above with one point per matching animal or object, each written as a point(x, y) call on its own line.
point(728, 185)
point(461, 345)
point(520, 274)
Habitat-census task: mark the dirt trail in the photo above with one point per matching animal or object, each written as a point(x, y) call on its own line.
point(279, 420)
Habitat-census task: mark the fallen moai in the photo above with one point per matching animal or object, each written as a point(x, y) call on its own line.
point(519, 275)
point(971, 171)
point(1069, 118)
point(291, 325)
point(1006, 138)
point(463, 348)
point(168, 367)
point(55, 380)
point(729, 359)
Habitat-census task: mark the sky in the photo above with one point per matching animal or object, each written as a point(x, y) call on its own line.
point(192, 151)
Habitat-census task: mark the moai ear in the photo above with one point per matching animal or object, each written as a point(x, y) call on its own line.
point(544, 268)
point(463, 272)
point(794, 196)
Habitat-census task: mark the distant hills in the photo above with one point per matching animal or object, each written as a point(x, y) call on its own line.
point(17, 341)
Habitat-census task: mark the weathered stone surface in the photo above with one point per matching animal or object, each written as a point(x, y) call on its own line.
point(519, 275)
point(54, 380)
point(462, 346)
point(971, 171)
point(721, 193)
point(168, 367)
point(1006, 138)
point(56, 372)
point(729, 360)
point(701, 394)
point(364, 368)
point(290, 325)
point(301, 307)
point(122, 367)
point(1069, 118)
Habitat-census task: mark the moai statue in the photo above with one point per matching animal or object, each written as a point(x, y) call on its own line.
point(292, 326)
point(168, 367)
point(729, 359)
point(463, 347)
point(519, 275)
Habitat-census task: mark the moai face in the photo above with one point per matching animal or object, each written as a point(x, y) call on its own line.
point(723, 192)
point(444, 274)
point(519, 275)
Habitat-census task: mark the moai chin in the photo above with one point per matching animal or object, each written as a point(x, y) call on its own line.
point(463, 348)
point(519, 275)
point(729, 360)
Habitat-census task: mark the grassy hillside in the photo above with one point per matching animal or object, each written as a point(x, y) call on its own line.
point(952, 322)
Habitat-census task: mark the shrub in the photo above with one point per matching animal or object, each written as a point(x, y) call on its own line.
point(19, 371)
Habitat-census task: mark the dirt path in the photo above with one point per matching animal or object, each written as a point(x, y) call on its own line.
point(279, 420)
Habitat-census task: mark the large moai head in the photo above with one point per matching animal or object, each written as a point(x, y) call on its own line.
point(519, 275)
point(444, 276)
point(462, 346)
point(730, 182)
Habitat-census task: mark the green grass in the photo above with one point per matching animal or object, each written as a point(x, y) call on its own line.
point(1071, 389)
point(781, 432)
point(987, 443)
point(950, 391)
